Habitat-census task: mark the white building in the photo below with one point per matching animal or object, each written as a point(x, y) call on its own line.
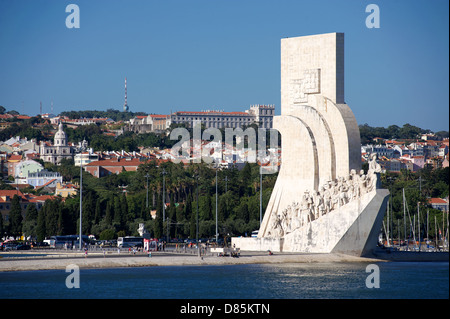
point(43, 177)
point(24, 168)
point(259, 114)
point(380, 150)
point(59, 150)
point(86, 157)
point(149, 123)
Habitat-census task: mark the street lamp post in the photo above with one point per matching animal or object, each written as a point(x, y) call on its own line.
point(147, 176)
point(81, 195)
point(217, 230)
point(198, 246)
point(164, 173)
point(260, 196)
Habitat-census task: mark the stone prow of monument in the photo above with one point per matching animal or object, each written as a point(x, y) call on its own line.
point(321, 201)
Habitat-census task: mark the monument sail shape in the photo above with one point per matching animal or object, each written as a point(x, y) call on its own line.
point(321, 201)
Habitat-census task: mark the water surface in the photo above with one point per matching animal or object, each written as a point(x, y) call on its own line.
point(286, 281)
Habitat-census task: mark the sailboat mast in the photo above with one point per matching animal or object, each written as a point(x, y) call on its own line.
point(387, 235)
point(428, 238)
point(404, 217)
point(436, 233)
point(443, 229)
point(418, 224)
point(392, 223)
point(446, 234)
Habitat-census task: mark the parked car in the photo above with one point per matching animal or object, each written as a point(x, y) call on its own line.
point(23, 247)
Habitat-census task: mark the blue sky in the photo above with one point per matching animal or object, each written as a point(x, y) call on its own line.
point(220, 54)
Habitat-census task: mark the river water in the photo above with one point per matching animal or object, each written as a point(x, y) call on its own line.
point(396, 280)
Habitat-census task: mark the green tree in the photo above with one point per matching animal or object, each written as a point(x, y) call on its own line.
point(193, 225)
point(242, 210)
point(53, 222)
point(15, 217)
point(205, 208)
point(126, 214)
point(107, 234)
point(2, 227)
point(145, 211)
point(172, 215)
point(188, 208)
point(41, 230)
point(89, 199)
point(158, 223)
point(98, 212)
point(30, 222)
point(245, 181)
point(109, 212)
point(119, 220)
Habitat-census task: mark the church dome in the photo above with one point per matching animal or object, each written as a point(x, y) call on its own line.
point(60, 136)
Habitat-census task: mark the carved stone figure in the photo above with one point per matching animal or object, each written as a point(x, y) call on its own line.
point(374, 167)
point(275, 230)
point(373, 173)
point(332, 195)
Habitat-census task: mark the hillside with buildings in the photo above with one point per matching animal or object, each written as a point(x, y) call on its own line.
point(123, 162)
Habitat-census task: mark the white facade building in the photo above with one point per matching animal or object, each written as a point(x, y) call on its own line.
point(59, 150)
point(43, 177)
point(86, 157)
point(259, 114)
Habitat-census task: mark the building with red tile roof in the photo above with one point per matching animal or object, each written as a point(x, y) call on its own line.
point(6, 197)
point(113, 166)
point(439, 203)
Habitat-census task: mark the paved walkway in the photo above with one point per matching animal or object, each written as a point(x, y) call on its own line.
point(114, 260)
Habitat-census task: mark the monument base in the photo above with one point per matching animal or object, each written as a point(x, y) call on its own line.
point(352, 229)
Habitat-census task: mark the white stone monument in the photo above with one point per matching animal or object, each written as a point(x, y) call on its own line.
point(321, 201)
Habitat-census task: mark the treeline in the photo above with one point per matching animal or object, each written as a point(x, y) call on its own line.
point(407, 131)
point(130, 141)
point(115, 115)
point(108, 213)
point(24, 128)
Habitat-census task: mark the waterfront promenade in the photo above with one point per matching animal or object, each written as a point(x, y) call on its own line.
point(59, 259)
point(23, 261)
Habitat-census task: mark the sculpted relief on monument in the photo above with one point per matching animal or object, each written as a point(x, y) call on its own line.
point(309, 83)
point(330, 196)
